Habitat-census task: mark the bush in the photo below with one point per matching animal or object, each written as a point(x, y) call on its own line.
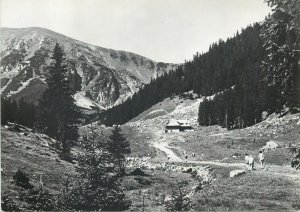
point(178, 202)
point(21, 179)
point(295, 163)
point(39, 200)
point(8, 205)
point(85, 196)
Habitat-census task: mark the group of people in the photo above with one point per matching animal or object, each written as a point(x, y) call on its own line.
point(186, 156)
point(249, 160)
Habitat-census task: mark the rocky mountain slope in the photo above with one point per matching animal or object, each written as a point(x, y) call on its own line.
point(99, 76)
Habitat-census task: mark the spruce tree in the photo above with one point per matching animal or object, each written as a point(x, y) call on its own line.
point(119, 147)
point(25, 114)
point(281, 33)
point(58, 116)
point(5, 106)
point(98, 187)
point(203, 113)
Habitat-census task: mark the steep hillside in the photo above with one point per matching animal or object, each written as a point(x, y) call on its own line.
point(275, 187)
point(99, 77)
point(33, 153)
point(234, 63)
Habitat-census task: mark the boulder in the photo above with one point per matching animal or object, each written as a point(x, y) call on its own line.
point(236, 173)
point(236, 155)
point(270, 145)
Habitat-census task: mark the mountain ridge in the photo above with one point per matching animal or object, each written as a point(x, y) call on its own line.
point(105, 76)
point(78, 40)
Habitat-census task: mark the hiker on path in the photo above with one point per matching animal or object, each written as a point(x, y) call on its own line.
point(247, 161)
point(193, 156)
point(186, 157)
point(261, 158)
point(251, 162)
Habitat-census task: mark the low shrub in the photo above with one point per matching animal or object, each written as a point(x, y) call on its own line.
point(39, 200)
point(21, 179)
point(8, 204)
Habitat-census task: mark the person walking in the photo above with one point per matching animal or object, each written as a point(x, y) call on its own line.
point(251, 162)
point(247, 161)
point(261, 158)
point(193, 156)
point(186, 157)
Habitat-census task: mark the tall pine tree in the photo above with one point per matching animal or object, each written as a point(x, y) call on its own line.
point(119, 147)
point(281, 33)
point(58, 116)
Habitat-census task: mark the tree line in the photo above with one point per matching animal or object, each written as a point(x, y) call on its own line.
point(254, 71)
point(272, 81)
point(233, 64)
point(20, 112)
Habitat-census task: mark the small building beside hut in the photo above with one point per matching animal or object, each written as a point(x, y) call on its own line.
point(178, 126)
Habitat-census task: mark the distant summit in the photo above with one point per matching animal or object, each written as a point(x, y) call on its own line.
point(99, 77)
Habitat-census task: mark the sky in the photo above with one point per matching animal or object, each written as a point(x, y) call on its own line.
point(162, 30)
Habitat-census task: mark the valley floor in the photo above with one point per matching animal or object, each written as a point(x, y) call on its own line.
point(164, 170)
point(275, 187)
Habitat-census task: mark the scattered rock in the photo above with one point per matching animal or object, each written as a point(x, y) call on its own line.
point(168, 198)
point(197, 187)
point(270, 145)
point(236, 173)
point(202, 173)
point(236, 155)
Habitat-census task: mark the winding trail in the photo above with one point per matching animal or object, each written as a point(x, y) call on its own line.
point(164, 147)
point(272, 169)
point(162, 144)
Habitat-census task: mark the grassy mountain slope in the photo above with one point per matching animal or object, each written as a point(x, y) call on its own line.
point(104, 76)
point(33, 154)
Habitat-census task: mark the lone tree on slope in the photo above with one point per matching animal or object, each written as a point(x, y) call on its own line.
point(58, 116)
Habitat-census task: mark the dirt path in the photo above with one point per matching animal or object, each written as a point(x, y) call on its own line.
point(161, 142)
point(271, 169)
point(164, 147)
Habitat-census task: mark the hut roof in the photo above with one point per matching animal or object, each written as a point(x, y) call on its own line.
point(173, 123)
